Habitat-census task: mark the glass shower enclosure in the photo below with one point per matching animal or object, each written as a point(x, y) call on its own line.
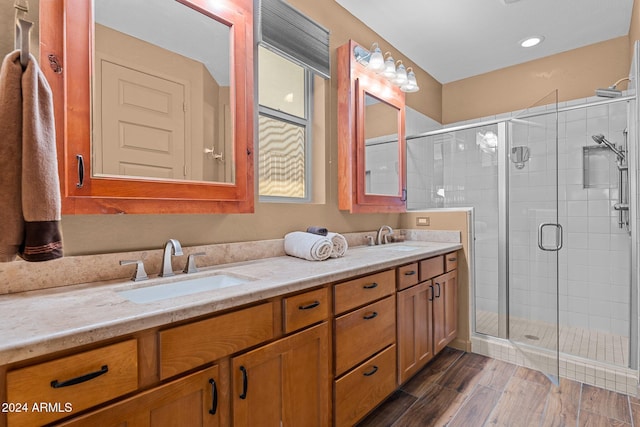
point(552, 264)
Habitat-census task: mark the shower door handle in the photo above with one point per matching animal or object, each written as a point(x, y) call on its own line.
point(558, 245)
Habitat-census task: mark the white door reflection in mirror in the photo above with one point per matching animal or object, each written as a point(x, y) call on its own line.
point(161, 96)
point(382, 149)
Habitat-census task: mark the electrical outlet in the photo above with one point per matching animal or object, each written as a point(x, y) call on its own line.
point(423, 220)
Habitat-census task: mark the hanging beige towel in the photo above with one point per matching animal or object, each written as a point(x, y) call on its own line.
point(30, 197)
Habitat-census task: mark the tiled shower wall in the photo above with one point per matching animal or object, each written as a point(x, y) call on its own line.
point(454, 170)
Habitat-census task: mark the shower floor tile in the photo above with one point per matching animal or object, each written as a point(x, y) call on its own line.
point(590, 344)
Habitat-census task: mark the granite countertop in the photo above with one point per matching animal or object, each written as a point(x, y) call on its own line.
point(36, 323)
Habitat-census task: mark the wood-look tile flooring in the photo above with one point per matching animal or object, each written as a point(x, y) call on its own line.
point(468, 390)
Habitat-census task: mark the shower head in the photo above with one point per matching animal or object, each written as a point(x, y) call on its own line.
point(600, 139)
point(611, 91)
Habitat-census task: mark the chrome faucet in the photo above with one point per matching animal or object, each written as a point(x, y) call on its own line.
point(379, 240)
point(172, 247)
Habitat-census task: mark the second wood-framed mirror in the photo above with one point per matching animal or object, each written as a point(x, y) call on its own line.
point(371, 139)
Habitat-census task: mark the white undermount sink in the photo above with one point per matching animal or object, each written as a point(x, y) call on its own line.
point(180, 288)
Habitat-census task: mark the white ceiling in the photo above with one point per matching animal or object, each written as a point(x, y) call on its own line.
point(455, 39)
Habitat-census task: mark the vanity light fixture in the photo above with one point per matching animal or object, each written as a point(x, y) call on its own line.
point(394, 71)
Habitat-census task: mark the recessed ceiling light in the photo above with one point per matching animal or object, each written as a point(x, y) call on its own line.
point(531, 41)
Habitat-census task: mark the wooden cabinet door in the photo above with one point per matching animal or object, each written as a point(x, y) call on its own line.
point(415, 343)
point(445, 310)
point(285, 383)
point(450, 290)
point(189, 401)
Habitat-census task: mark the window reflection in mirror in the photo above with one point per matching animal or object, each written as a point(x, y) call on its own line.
point(382, 149)
point(161, 93)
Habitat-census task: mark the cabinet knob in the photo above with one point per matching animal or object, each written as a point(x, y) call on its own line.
point(371, 316)
point(371, 286)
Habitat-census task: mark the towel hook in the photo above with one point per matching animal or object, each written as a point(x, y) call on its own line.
point(23, 30)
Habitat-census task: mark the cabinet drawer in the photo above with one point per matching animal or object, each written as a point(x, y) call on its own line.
point(357, 292)
point(192, 345)
point(305, 309)
point(407, 276)
point(364, 332)
point(365, 387)
point(74, 382)
point(451, 261)
point(432, 267)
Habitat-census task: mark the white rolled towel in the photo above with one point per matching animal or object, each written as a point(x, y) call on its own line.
point(312, 247)
point(340, 244)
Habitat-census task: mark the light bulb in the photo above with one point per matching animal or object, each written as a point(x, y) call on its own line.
point(401, 75)
point(411, 85)
point(376, 61)
point(389, 68)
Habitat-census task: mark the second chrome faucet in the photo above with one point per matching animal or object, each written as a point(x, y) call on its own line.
point(380, 239)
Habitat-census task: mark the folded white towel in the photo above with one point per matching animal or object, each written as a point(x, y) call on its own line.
point(312, 247)
point(340, 244)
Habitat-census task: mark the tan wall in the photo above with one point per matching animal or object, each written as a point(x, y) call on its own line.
point(576, 74)
point(452, 220)
point(493, 93)
point(634, 28)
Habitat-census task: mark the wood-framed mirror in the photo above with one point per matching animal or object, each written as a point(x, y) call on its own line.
point(124, 78)
point(371, 139)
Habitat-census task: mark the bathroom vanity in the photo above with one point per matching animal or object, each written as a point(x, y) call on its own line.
point(299, 343)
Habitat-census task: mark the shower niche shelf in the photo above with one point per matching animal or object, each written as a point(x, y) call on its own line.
point(596, 168)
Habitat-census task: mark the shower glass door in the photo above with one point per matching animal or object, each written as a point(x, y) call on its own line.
point(534, 236)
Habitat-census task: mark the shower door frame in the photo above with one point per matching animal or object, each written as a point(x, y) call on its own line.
point(545, 356)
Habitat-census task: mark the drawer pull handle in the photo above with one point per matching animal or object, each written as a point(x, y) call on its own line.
point(214, 397)
point(410, 273)
point(452, 259)
point(371, 372)
point(438, 285)
point(371, 316)
point(371, 286)
point(245, 382)
point(80, 379)
point(431, 297)
point(309, 306)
